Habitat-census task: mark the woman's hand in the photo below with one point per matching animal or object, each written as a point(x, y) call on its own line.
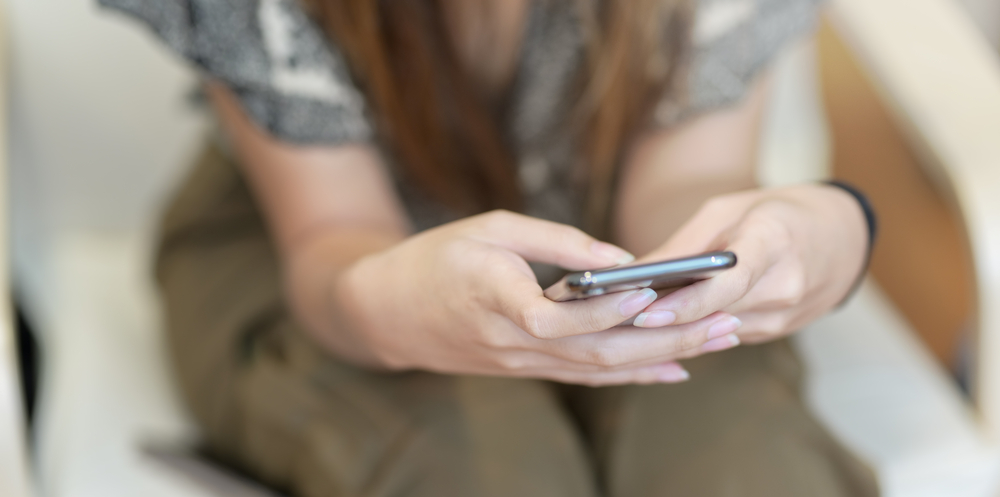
point(800, 249)
point(462, 299)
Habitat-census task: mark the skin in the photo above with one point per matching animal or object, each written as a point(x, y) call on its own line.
point(461, 298)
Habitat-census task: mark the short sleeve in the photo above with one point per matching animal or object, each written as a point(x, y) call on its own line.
point(290, 80)
point(733, 40)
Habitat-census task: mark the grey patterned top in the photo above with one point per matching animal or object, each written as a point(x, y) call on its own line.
point(293, 83)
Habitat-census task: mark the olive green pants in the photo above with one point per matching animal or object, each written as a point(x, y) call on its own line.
point(275, 405)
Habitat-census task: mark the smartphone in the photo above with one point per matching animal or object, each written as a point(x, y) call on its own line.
point(656, 275)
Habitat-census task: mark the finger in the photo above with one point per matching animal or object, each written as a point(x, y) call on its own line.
point(766, 326)
point(628, 346)
point(538, 354)
point(719, 344)
point(670, 372)
point(705, 297)
point(781, 287)
point(543, 241)
point(516, 362)
point(532, 364)
point(523, 303)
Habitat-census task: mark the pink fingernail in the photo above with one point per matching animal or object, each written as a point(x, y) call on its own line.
point(724, 327)
point(672, 373)
point(655, 319)
point(637, 302)
point(612, 253)
point(721, 343)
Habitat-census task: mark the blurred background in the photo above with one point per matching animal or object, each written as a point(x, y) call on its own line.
point(901, 97)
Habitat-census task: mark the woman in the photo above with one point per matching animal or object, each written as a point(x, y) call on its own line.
point(370, 321)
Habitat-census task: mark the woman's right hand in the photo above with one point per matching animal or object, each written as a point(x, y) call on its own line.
point(461, 299)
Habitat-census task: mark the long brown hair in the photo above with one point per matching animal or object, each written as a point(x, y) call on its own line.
point(444, 130)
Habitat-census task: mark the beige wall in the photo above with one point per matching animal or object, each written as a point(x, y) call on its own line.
point(986, 14)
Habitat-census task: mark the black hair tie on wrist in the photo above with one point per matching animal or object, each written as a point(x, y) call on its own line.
point(870, 218)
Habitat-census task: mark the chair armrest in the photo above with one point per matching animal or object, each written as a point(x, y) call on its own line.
point(941, 80)
point(14, 480)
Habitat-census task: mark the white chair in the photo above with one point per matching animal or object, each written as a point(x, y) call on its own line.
point(107, 395)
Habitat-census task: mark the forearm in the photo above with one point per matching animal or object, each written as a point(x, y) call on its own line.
point(645, 221)
point(326, 206)
point(670, 173)
point(312, 273)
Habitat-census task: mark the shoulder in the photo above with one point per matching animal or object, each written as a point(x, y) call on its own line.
point(288, 77)
point(732, 41)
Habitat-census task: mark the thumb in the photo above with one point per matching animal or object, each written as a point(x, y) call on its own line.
point(537, 240)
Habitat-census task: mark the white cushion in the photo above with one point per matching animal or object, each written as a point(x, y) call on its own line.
point(874, 384)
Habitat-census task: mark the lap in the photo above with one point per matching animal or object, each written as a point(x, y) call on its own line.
point(738, 427)
point(325, 428)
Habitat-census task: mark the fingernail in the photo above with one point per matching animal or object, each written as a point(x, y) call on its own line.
point(724, 327)
point(612, 253)
point(654, 319)
point(637, 302)
point(721, 343)
point(672, 373)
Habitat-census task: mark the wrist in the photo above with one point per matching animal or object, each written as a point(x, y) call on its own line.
point(870, 226)
point(323, 295)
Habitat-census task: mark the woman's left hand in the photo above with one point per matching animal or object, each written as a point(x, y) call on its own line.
point(799, 251)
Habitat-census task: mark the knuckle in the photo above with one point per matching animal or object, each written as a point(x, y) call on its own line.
point(784, 301)
point(794, 291)
point(529, 320)
point(688, 354)
point(691, 340)
point(452, 247)
point(782, 324)
point(497, 219)
point(725, 202)
point(687, 307)
point(743, 282)
point(494, 338)
point(575, 234)
point(570, 235)
point(592, 321)
point(461, 253)
point(605, 357)
point(494, 262)
point(566, 231)
point(498, 214)
point(716, 203)
point(511, 362)
point(768, 221)
point(770, 327)
point(565, 236)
